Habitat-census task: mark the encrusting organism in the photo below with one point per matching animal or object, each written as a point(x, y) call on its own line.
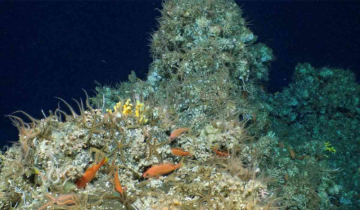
point(27, 131)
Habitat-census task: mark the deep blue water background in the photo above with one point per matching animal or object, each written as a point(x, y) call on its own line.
point(53, 48)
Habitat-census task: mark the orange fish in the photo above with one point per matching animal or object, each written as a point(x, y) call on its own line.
point(118, 186)
point(219, 153)
point(177, 132)
point(292, 153)
point(281, 144)
point(181, 153)
point(304, 157)
point(89, 174)
point(162, 169)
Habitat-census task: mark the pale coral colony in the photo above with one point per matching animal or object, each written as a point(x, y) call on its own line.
point(206, 79)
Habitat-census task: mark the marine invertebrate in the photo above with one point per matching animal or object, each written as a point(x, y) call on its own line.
point(94, 126)
point(127, 107)
point(328, 147)
point(153, 147)
point(120, 147)
point(195, 77)
point(206, 198)
point(124, 199)
point(140, 113)
point(62, 200)
point(27, 131)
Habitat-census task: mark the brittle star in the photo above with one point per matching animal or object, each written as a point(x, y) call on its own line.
point(62, 200)
point(153, 148)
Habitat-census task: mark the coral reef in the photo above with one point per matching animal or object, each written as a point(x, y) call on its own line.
point(204, 59)
point(199, 133)
point(321, 111)
point(42, 170)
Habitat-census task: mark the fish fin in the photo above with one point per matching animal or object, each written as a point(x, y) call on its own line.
point(165, 163)
point(105, 160)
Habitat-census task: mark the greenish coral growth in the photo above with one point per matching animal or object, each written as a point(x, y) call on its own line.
point(319, 115)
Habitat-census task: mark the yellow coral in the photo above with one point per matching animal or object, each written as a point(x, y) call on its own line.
point(139, 108)
point(139, 112)
point(117, 107)
point(127, 108)
point(329, 148)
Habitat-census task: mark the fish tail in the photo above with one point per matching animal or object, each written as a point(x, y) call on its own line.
point(105, 160)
